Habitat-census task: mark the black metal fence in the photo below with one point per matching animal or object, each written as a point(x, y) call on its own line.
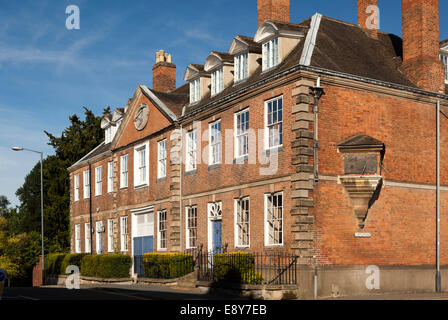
point(241, 267)
point(254, 268)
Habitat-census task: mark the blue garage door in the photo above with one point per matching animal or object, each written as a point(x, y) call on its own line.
point(142, 245)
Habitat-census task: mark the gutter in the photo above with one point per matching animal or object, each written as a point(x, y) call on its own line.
point(321, 71)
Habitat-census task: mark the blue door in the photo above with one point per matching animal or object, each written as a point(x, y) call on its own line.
point(217, 236)
point(142, 245)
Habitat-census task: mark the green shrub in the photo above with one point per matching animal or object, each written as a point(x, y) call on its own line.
point(53, 262)
point(70, 259)
point(231, 267)
point(89, 265)
point(167, 265)
point(252, 277)
point(114, 266)
point(106, 266)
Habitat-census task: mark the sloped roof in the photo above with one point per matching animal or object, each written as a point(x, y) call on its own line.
point(346, 48)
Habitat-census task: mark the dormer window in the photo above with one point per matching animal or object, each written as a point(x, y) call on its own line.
point(278, 40)
point(195, 90)
point(199, 82)
point(108, 135)
point(217, 81)
point(444, 58)
point(270, 54)
point(241, 67)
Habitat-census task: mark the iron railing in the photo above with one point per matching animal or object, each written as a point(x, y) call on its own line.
point(245, 268)
point(264, 268)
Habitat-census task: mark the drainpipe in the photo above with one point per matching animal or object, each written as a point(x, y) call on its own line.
point(317, 92)
point(90, 204)
point(180, 187)
point(438, 276)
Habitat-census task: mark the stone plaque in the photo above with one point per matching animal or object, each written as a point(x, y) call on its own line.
point(361, 164)
point(141, 117)
point(362, 235)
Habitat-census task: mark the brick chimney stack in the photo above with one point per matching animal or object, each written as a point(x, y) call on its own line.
point(366, 17)
point(273, 9)
point(163, 73)
point(421, 63)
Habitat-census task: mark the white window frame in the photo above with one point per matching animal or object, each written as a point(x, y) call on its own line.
point(215, 149)
point(191, 152)
point(87, 237)
point(241, 63)
point(217, 81)
point(141, 168)
point(161, 159)
point(271, 127)
point(270, 54)
point(124, 233)
point(108, 135)
point(110, 235)
point(195, 90)
point(98, 181)
point(99, 237)
point(110, 177)
point(242, 134)
point(238, 222)
point(77, 238)
point(188, 236)
point(86, 180)
point(267, 230)
point(124, 171)
point(162, 233)
point(444, 58)
point(76, 187)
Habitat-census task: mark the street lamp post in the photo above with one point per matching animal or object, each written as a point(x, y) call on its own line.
point(41, 204)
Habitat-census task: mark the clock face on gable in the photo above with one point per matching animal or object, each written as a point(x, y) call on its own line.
point(141, 117)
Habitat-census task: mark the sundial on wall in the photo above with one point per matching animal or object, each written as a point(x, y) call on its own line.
point(141, 117)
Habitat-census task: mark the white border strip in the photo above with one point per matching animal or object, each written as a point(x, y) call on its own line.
point(310, 41)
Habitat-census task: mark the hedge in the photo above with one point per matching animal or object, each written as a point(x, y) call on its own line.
point(106, 266)
point(70, 259)
point(236, 267)
point(167, 265)
point(53, 262)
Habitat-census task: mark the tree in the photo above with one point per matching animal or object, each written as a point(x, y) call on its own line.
point(4, 203)
point(75, 142)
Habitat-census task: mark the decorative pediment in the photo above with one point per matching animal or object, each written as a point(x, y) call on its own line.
point(271, 29)
point(237, 47)
point(361, 143)
point(444, 46)
point(216, 60)
point(242, 44)
point(194, 71)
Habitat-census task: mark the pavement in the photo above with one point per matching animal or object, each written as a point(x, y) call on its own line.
point(112, 292)
point(144, 292)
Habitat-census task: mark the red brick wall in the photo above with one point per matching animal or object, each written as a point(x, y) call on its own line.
point(402, 221)
point(157, 121)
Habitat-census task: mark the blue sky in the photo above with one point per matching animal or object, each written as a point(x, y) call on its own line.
point(48, 73)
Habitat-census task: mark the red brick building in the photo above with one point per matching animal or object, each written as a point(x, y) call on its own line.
point(314, 137)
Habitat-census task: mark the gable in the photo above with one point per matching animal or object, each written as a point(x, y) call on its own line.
point(143, 118)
